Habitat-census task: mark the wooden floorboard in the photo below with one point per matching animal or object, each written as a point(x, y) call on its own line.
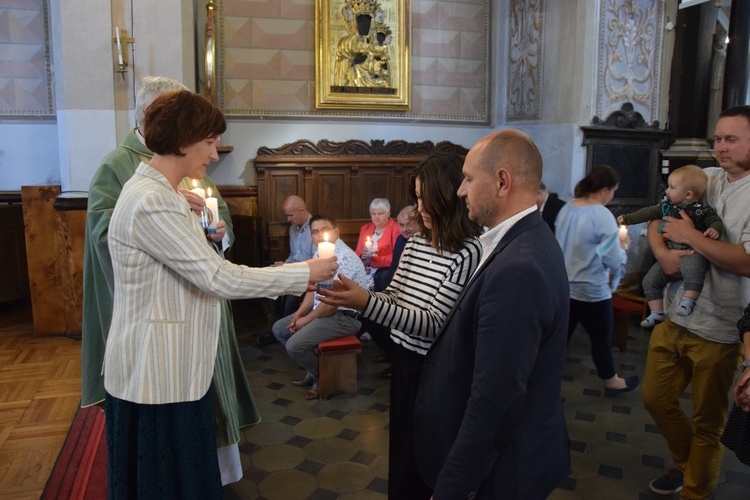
point(40, 390)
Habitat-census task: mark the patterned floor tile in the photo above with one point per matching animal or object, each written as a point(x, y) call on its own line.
point(339, 448)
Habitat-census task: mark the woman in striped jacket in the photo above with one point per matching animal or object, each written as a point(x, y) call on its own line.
point(436, 264)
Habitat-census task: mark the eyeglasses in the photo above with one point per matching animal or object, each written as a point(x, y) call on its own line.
point(316, 232)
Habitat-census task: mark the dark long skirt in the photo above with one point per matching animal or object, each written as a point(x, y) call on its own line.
point(162, 451)
point(404, 481)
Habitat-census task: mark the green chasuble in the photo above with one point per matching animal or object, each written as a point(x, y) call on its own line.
point(233, 401)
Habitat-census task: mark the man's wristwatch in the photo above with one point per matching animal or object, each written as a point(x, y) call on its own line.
point(746, 364)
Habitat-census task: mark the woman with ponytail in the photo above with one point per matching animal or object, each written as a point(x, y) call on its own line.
point(588, 234)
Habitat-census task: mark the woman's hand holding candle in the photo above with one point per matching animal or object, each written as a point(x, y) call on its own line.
point(195, 201)
point(367, 250)
point(218, 234)
point(345, 293)
point(322, 269)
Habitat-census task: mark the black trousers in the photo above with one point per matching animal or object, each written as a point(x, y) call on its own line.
point(404, 481)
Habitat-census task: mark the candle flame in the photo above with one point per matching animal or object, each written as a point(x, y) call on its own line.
point(325, 236)
point(208, 191)
point(368, 238)
point(195, 183)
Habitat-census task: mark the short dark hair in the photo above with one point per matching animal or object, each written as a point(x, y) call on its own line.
point(179, 119)
point(741, 110)
point(324, 217)
point(600, 177)
point(439, 178)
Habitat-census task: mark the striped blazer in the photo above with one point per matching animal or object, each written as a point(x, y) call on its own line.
point(168, 284)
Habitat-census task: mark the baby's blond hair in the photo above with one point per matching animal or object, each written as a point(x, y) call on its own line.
point(693, 178)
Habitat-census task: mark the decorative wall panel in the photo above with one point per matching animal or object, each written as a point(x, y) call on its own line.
point(630, 47)
point(524, 85)
point(267, 60)
point(25, 83)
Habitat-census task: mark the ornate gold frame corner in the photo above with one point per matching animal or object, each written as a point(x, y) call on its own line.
point(343, 79)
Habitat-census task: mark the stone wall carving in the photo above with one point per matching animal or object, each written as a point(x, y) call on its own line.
point(524, 84)
point(630, 46)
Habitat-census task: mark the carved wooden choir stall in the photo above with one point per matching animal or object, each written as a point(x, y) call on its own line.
point(339, 179)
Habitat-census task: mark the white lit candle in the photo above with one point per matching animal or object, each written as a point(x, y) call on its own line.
point(326, 249)
point(368, 244)
point(197, 190)
point(212, 207)
point(623, 234)
point(119, 47)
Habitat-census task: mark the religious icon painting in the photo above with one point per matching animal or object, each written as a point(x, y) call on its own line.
point(362, 54)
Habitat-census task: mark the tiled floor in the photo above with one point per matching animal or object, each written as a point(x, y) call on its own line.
point(338, 448)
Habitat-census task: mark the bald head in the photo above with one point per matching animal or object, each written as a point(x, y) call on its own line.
point(514, 150)
point(501, 176)
point(294, 202)
point(295, 210)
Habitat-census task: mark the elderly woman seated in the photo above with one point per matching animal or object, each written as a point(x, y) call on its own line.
point(376, 242)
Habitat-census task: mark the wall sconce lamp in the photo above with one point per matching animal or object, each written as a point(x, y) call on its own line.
point(121, 38)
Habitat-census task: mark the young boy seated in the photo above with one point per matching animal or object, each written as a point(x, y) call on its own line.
point(685, 190)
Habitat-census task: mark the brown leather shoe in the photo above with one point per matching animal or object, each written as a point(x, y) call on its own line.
point(313, 393)
point(304, 382)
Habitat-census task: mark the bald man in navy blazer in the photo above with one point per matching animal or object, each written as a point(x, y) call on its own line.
point(488, 418)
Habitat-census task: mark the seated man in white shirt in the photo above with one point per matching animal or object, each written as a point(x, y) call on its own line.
point(315, 322)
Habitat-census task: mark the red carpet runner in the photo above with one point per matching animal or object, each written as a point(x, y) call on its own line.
point(81, 468)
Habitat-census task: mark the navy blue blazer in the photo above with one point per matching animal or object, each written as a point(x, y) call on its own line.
point(551, 208)
point(488, 417)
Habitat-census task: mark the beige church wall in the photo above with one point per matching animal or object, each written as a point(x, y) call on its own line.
point(96, 111)
point(554, 127)
point(267, 55)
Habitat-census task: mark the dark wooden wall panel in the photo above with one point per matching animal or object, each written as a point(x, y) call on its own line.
point(375, 183)
point(338, 178)
point(332, 192)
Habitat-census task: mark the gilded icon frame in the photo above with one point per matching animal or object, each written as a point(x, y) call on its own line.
point(382, 80)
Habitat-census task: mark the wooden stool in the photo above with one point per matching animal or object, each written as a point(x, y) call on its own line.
point(622, 310)
point(337, 366)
